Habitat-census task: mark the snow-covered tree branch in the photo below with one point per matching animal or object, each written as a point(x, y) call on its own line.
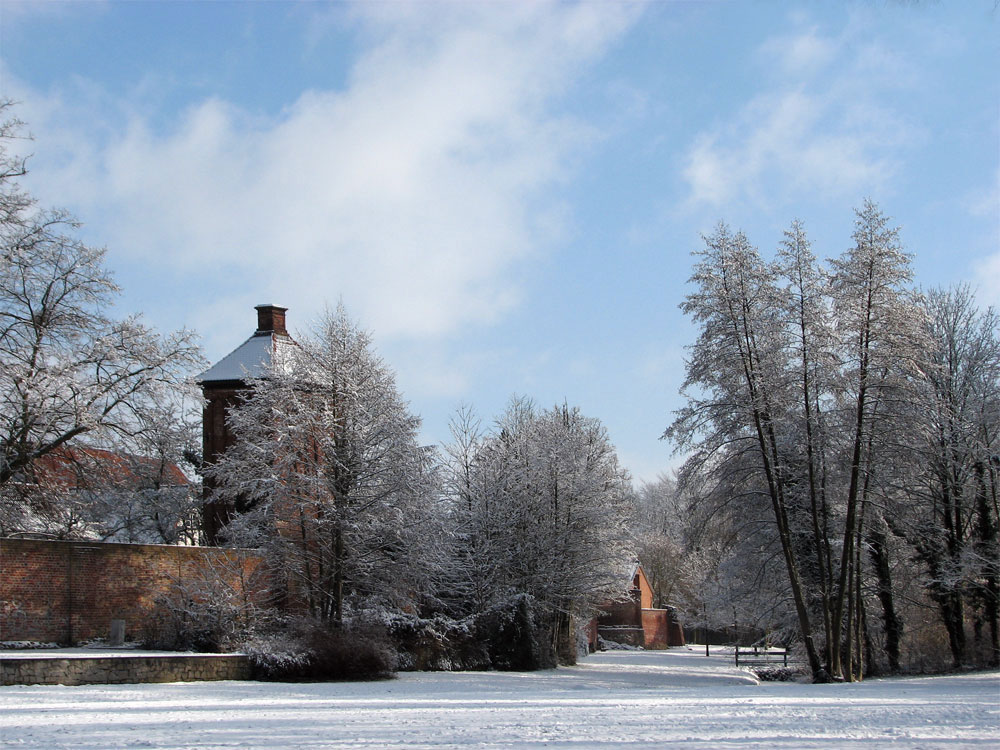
point(69, 371)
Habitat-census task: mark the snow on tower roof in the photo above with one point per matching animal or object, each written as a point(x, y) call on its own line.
point(253, 358)
point(249, 360)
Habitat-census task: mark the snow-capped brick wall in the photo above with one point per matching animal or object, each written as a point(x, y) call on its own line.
point(69, 592)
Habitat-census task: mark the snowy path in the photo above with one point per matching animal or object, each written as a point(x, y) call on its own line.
point(610, 700)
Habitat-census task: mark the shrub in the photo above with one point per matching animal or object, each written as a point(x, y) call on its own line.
point(778, 674)
point(186, 624)
point(313, 651)
point(217, 605)
point(511, 636)
point(606, 645)
point(518, 638)
point(439, 643)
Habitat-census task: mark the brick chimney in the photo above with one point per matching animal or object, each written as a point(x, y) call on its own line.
point(271, 319)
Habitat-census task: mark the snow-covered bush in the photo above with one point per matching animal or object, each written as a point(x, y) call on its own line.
point(510, 636)
point(437, 644)
point(218, 607)
point(190, 624)
point(312, 650)
point(606, 645)
point(779, 673)
point(516, 635)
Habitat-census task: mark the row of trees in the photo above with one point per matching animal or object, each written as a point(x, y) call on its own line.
point(366, 522)
point(335, 488)
point(846, 427)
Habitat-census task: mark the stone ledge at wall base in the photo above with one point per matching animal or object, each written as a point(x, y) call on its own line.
point(121, 670)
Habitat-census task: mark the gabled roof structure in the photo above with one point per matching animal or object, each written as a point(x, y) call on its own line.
point(633, 620)
point(252, 359)
point(67, 468)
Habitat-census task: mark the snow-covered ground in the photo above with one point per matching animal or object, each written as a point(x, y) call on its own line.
point(610, 700)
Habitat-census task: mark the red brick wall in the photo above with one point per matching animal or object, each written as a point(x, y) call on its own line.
point(661, 628)
point(621, 614)
point(645, 590)
point(655, 626)
point(68, 592)
point(216, 437)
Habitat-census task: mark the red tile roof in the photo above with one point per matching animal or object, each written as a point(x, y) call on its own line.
point(70, 467)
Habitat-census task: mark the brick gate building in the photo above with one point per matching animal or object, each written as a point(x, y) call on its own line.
point(634, 620)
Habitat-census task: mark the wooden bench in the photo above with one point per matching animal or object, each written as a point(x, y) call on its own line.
point(753, 656)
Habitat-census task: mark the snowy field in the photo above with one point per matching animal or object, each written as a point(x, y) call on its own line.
point(618, 699)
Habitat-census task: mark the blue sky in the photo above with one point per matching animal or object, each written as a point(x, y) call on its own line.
point(505, 194)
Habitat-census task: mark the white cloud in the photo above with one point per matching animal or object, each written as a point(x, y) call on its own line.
point(800, 53)
point(985, 204)
point(987, 280)
point(410, 193)
point(821, 125)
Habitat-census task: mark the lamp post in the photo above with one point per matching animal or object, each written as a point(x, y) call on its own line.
point(704, 611)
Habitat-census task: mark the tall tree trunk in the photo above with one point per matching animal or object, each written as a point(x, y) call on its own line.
point(859, 612)
point(871, 668)
point(850, 523)
point(879, 553)
point(847, 659)
point(953, 612)
point(951, 599)
point(820, 548)
point(986, 528)
point(338, 575)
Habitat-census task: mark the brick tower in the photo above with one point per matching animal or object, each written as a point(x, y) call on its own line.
point(221, 385)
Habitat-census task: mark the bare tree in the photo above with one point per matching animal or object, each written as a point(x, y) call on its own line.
point(738, 367)
point(337, 487)
point(542, 507)
point(952, 519)
point(878, 340)
point(68, 370)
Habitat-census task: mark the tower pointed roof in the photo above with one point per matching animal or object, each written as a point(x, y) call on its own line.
point(253, 357)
